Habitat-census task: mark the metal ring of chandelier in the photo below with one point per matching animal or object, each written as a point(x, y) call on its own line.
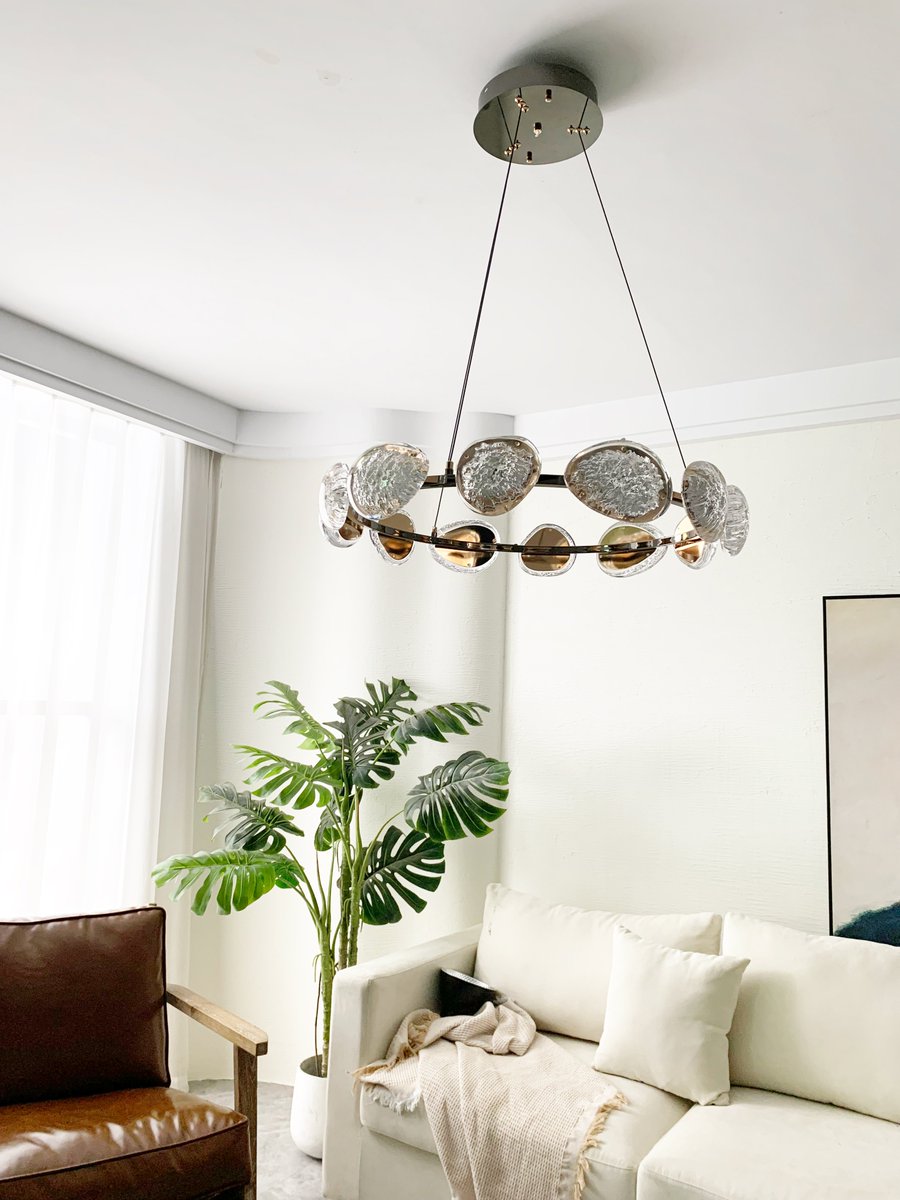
point(621, 480)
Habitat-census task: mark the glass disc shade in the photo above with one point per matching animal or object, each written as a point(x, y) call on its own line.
point(462, 559)
point(737, 520)
point(496, 474)
point(394, 549)
point(620, 480)
point(639, 547)
point(704, 495)
point(335, 514)
point(552, 536)
point(385, 478)
point(690, 547)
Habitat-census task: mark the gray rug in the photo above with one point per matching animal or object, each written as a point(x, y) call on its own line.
point(283, 1172)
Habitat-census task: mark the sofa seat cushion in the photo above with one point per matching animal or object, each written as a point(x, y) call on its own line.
point(766, 1146)
point(140, 1144)
point(628, 1137)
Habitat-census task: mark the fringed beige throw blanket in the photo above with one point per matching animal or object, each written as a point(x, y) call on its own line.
point(511, 1113)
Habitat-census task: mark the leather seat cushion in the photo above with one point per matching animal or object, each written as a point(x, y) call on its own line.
point(628, 1135)
point(83, 1005)
point(140, 1144)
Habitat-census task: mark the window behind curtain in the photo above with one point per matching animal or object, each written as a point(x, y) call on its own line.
point(90, 514)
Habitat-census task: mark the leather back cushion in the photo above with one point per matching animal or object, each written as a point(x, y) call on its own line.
point(82, 1005)
point(817, 1017)
point(556, 960)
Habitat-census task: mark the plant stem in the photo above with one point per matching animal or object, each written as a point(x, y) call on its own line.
point(355, 915)
point(309, 896)
point(316, 1018)
point(353, 947)
point(327, 986)
point(345, 890)
point(360, 862)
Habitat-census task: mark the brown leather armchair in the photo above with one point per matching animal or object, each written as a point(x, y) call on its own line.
point(86, 1110)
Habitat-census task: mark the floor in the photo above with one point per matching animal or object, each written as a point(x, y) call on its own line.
point(283, 1173)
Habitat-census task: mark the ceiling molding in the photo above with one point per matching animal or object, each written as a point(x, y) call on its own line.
point(31, 351)
point(809, 399)
point(345, 434)
point(831, 396)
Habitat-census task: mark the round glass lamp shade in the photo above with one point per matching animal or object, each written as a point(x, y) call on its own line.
point(335, 514)
point(631, 550)
point(620, 480)
point(737, 521)
point(473, 549)
point(705, 498)
point(547, 537)
point(385, 478)
point(394, 549)
point(496, 474)
point(690, 547)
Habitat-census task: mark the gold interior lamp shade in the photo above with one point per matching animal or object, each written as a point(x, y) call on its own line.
point(534, 115)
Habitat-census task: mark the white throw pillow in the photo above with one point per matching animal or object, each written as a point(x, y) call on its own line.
point(668, 1013)
point(555, 960)
point(818, 1017)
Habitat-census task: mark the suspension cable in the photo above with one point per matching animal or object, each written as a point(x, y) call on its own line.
point(513, 146)
point(662, 394)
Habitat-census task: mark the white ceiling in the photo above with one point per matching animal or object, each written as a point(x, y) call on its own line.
point(280, 202)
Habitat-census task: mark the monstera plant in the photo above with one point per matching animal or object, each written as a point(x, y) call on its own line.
point(349, 879)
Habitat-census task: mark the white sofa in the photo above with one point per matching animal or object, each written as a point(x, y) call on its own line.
point(814, 1109)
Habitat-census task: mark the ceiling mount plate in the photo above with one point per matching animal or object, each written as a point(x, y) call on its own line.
point(550, 103)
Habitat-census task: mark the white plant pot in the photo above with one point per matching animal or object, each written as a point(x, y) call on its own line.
point(308, 1109)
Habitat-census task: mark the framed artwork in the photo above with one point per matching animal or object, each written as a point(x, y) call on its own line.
point(862, 703)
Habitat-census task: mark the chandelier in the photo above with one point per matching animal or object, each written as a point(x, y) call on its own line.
point(535, 115)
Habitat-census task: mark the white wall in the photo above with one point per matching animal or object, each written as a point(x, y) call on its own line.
point(666, 732)
point(287, 606)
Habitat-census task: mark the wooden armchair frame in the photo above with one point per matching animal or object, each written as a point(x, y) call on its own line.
point(249, 1043)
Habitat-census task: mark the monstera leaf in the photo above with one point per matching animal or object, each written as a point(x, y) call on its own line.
point(327, 831)
point(238, 877)
point(366, 726)
point(284, 701)
point(387, 702)
point(462, 796)
point(283, 781)
point(249, 823)
point(436, 722)
point(400, 866)
point(369, 757)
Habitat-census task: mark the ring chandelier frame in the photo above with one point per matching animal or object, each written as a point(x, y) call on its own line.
point(534, 115)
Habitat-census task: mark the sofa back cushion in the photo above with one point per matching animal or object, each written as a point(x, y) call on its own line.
point(82, 1005)
point(817, 1017)
point(555, 960)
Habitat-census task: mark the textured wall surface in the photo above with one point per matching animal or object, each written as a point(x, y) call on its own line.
point(667, 731)
point(287, 606)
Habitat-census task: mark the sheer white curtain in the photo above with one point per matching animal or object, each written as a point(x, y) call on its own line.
point(93, 514)
point(179, 781)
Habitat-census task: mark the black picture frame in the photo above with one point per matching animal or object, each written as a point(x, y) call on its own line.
point(828, 792)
